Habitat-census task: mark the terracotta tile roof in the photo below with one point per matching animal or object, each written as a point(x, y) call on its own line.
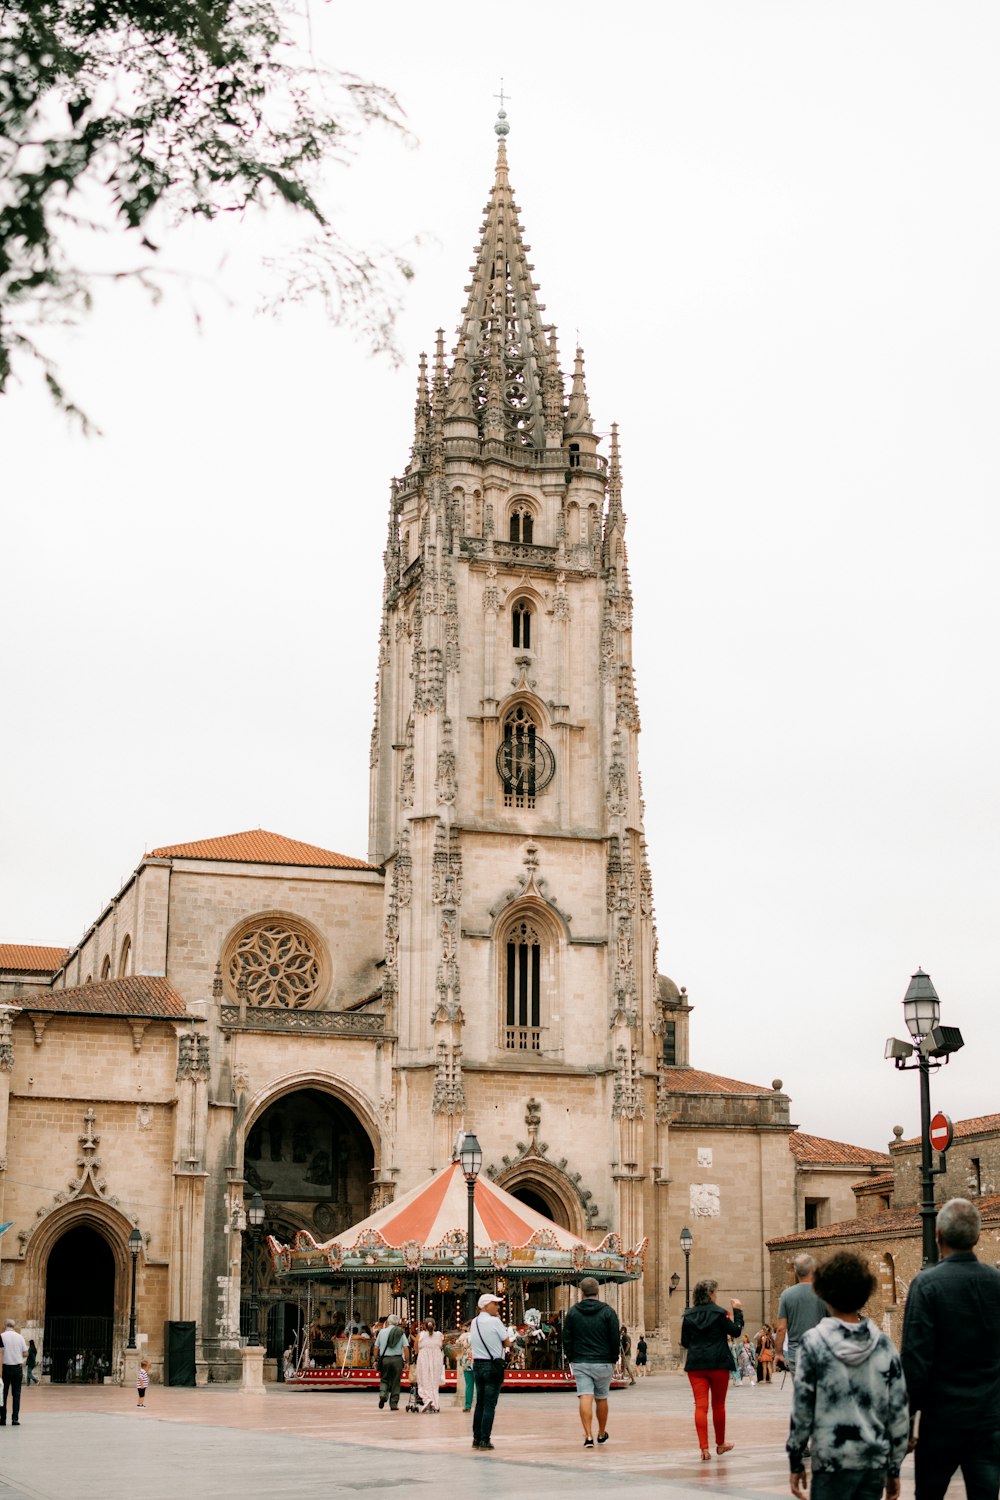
point(874, 1184)
point(258, 847)
point(27, 958)
point(817, 1151)
point(694, 1081)
point(884, 1226)
point(140, 995)
point(978, 1125)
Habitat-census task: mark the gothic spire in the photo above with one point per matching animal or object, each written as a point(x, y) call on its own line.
point(421, 418)
point(614, 521)
point(501, 337)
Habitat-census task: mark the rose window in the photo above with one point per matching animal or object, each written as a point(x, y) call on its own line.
point(279, 965)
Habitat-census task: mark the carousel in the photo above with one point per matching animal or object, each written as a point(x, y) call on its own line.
point(411, 1258)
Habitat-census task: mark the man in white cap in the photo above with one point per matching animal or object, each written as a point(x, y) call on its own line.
point(489, 1338)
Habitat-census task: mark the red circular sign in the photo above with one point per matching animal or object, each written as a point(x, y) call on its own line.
point(941, 1132)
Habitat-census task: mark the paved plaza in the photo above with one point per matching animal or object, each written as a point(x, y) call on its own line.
point(91, 1443)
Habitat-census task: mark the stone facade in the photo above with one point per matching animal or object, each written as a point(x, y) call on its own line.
point(252, 1014)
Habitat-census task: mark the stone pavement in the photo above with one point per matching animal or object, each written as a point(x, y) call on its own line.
point(91, 1443)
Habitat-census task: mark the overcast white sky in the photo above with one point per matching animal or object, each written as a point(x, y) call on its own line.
point(776, 229)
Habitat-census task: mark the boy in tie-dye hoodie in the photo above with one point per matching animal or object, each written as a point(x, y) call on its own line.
point(849, 1406)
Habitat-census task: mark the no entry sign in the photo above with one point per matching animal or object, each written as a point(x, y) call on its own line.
point(941, 1132)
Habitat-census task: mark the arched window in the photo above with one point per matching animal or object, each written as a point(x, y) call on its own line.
point(521, 616)
point(889, 1288)
point(525, 762)
point(522, 523)
point(106, 967)
point(522, 1029)
point(125, 960)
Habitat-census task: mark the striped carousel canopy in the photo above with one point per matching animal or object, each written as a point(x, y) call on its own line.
point(425, 1231)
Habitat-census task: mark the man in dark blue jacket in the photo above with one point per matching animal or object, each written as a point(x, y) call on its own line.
point(592, 1344)
point(951, 1360)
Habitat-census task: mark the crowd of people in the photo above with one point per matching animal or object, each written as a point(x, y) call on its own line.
point(858, 1405)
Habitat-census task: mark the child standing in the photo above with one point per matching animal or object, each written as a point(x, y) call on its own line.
point(849, 1405)
point(641, 1356)
point(143, 1382)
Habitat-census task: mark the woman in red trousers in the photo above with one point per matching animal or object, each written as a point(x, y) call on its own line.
point(705, 1334)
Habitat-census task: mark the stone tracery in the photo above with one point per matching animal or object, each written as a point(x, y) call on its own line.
point(278, 964)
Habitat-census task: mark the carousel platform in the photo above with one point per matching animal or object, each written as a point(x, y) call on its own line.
point(335, 1379)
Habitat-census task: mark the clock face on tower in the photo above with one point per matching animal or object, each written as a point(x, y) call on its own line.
point(525, 762)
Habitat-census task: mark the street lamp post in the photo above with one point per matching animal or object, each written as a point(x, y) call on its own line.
point(134, 1245)
point(687, 1240)
point(471, 1157)
point(933, 1045)
point(255, 1214)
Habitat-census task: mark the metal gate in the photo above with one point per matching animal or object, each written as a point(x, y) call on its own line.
point(77, 1349)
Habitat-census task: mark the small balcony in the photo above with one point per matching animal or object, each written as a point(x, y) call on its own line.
point(523, 1038)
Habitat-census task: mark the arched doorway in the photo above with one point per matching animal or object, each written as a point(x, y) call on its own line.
point(534, 1192)
point(79, 1306)
point(542, 1205)
point(311, 1160)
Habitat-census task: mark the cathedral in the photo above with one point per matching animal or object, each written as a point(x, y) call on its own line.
point(255, 1014)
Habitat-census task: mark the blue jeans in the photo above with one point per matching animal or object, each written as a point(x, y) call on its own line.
point(489, 1378)
point(940, 1453)
point(847, 1484)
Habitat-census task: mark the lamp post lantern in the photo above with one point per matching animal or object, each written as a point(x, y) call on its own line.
point(134, 1246)
point(255, 1214)
point(470, 1155)
point(932, 1045)
point(687, 1240)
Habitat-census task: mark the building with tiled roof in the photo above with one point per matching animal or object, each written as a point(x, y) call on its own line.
point(28, 965)
point(259, 847)
point(885, 1222)
point(138, 997)
point(826, 1174)
point(816, 1150)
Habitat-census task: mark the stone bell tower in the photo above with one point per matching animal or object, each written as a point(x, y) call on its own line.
point(506, 803)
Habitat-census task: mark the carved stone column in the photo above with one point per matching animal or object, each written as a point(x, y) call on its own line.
point(7, 1014)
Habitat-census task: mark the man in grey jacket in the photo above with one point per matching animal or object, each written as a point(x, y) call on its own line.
point(951, 1358)
point(592, 1344)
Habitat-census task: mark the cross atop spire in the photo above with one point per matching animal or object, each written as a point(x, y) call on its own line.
point(501, 337)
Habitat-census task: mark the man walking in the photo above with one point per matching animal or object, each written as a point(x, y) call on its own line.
point(489, 1338)
point(592, 1344)
point(799, 1309)
point(14, 1353)
point(627, 1366)
point(390, 1351)
point(951, 1360)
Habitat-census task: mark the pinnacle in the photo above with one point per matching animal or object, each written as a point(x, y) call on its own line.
point(501, 338)
point(578, 415)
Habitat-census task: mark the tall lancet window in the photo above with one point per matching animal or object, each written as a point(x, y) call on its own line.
point(522, 524)
point(521, 614)
point(523, 1004)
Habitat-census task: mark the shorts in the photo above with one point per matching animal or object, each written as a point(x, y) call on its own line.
point(593, 1380)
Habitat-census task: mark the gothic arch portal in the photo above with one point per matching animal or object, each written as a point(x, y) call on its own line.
point(310, 1145)
point(114, 1229)
point(542, 1186)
